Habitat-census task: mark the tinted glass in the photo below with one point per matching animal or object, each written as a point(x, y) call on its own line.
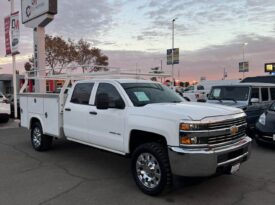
point(112, 93)
point(82, 93)
point(200, 87)
point(235, 93)
point(146, 93)
point(264, 94)
point(255, 93)
point(272, 107)
point(272, 92)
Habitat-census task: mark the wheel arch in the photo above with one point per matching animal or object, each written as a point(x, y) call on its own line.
point(138, 137)
point(35, 119)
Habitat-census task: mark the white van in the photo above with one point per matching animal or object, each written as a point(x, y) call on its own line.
point(200, 91)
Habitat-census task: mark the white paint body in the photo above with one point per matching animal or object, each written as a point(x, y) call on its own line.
point(4, 107)
point(111, 129)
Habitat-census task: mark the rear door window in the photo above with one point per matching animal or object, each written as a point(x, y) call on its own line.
point(264, 92)
point(82, 93)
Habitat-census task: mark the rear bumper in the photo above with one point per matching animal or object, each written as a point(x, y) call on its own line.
point(206, 162)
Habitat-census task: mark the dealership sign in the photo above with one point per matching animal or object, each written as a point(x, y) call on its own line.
point(174, 58)
point(15, 34)
point(32, 9)
point(243, 66)
point(269, 67)
point(7, 35)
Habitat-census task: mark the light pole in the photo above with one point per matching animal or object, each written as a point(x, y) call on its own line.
point(14, 71)
point(244, 44)
point(173, 39)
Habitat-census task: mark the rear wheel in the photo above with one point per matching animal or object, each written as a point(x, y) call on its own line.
point(40, 142)
point(151, 168)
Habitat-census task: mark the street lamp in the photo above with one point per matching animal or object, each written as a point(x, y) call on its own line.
point(173, 36)
point(244, 44)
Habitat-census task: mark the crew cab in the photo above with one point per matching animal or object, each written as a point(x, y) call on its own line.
point(145, 120)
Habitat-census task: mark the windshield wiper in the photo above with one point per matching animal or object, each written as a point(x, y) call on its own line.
point(230, 99)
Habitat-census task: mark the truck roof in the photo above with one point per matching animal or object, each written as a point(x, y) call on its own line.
point(248, 84)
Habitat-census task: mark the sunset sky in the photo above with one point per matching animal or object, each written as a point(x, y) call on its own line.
point(136, 33)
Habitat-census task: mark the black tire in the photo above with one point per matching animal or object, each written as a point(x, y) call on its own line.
point(40, 142)
point(161, 162)
point(6, 119)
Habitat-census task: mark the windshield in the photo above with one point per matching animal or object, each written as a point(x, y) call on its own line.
point(272, 107)
point(234, 93)
point(146, 93)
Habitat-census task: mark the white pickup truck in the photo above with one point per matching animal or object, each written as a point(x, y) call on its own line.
point(145, 120)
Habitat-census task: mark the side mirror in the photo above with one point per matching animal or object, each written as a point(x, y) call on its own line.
point(102, 101)
point(254, 100)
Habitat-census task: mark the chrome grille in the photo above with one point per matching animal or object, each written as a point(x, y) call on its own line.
point(226, 137)
point(227, 123)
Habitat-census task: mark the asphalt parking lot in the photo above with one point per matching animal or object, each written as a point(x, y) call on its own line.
point(76, 174)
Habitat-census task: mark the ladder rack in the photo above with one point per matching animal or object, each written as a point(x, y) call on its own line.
point(73, 73)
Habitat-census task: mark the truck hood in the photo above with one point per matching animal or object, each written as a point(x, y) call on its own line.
point(238, 104)
point(186, 110)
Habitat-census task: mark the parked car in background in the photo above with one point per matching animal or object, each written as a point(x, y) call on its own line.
point(253, 98)
point(4, 108)
point(200, 91)
point(260, 79)
point(265, 129)
point(195, 93)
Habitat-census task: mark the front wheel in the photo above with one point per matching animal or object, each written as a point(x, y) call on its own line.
point(40, 142)
point(151, 168)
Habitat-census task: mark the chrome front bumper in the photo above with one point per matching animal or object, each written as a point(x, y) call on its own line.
point(205, 161)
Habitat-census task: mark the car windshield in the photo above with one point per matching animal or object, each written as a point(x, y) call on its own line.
point(272, 107)
point(146, 93)
point(234, 93)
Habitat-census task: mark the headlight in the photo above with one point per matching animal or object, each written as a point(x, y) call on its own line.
point(192, 126)
point(188, 132)
point(262, 119)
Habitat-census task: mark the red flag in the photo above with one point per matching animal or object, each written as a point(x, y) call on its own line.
point(7, 35)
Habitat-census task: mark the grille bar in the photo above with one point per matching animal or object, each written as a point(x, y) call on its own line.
point(216, 137)
point(227, 123)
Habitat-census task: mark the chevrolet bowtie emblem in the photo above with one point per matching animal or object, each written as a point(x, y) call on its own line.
point(234, 130)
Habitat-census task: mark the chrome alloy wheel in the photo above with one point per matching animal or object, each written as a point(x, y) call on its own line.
point(148, 170)
point(37, 137)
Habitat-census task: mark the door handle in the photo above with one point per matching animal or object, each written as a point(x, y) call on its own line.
point(67, 109)
point(93, 113)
